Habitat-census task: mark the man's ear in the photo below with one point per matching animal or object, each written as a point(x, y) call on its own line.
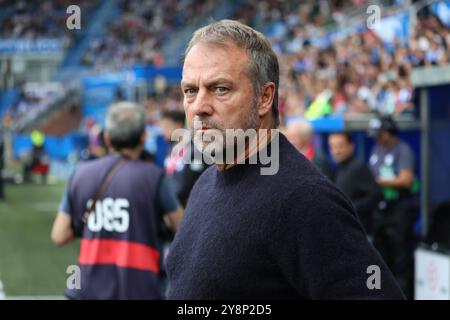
point(266, 99)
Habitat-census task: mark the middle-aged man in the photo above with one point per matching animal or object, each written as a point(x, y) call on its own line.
point(182, 175)
point(247, 235)
point(354, 178)
point(120, 250)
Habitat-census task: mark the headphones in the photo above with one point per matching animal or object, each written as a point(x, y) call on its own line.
point(385, 122)
point(388, 124)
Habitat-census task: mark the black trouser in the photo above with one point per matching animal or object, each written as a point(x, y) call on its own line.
point(394, 238)
point(28, 168)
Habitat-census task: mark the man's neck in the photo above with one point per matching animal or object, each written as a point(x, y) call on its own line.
point(391, 143)
point(130, 153)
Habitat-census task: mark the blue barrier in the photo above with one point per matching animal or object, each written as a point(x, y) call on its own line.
point(329, 124)
point(60, 148)
point(170, 73)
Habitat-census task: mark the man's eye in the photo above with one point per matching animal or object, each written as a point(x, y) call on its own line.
point(221, 89)
point(189, 92)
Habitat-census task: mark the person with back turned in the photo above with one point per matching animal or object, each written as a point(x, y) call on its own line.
point(114, 204)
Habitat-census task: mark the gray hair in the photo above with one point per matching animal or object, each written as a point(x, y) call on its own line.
point(125, 124)
point(264, 63)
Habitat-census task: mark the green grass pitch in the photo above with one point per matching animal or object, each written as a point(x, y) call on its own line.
point(30, 265)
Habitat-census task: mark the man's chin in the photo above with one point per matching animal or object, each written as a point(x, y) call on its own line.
point(210, 150)
point(205, 146)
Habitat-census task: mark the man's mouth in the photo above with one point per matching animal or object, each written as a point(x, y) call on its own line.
point(204, 129)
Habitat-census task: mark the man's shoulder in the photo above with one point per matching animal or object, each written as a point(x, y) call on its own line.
point(404, 148)
point(312, 184)
point(100, 165)
point(295, 166)
point(316, 198)
point(377, 148)
point(95, 164)
point(299, 177)
point(206, 172)
point(304, 182)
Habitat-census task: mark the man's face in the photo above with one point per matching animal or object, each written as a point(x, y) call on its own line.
point(217, 89)
point(341, 149)
point(383, 138)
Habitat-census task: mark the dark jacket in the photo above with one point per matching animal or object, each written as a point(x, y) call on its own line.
point(355, 179)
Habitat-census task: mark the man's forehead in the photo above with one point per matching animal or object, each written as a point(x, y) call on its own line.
point(210, 60)
point(227, 48)
point(209, 78)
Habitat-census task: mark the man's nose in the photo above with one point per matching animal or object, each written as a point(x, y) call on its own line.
point(203, 104)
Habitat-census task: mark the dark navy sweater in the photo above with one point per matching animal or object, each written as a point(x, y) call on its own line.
point(292, 235)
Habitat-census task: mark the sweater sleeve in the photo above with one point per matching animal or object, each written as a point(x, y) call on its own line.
point(322, 250)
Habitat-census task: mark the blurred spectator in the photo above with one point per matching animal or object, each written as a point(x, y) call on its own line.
point(392, 163)
point(97, 147)
point(354, 178)
point(183, 175)
point(38, 162)
point(300, 134)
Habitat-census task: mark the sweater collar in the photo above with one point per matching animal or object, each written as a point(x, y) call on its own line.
point(252, 150)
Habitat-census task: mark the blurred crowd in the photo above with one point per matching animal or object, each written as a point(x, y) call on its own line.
point(348, 73)
point(137, 35)
point(327, 64)
point(351, 73)
point(46, 19)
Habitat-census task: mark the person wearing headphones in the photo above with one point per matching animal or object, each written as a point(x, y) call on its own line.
point(393, 165)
